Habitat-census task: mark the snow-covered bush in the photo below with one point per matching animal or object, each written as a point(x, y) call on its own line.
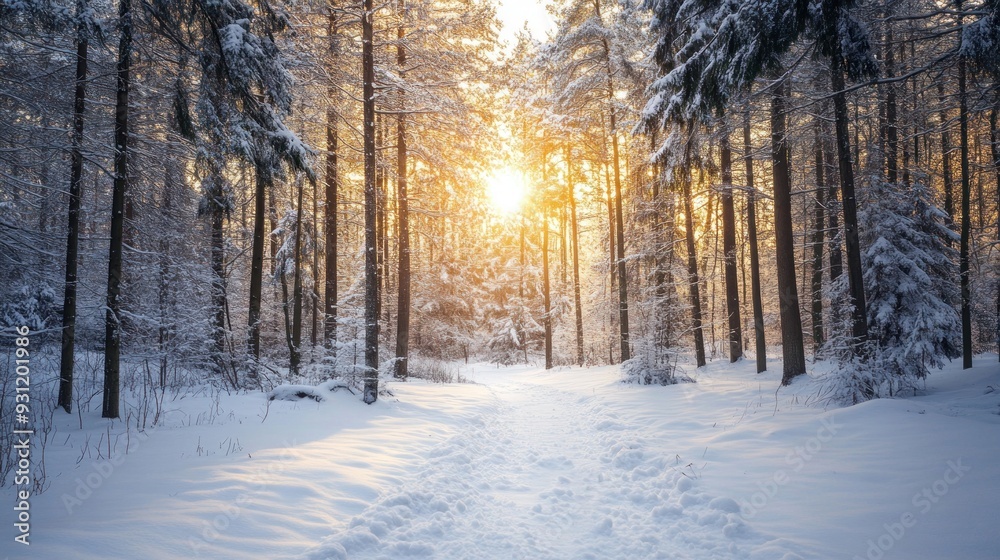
point(652, 365)
point(34, 307)
point(512, 335)
point(434, 370)
point(909, 274)
point(642, 371)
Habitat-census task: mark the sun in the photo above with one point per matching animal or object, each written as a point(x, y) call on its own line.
point(506, 190)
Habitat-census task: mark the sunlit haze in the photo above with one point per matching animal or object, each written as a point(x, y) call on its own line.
point(507, 190)
point(515, 13)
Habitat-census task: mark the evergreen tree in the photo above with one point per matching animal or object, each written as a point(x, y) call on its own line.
point(912, 321)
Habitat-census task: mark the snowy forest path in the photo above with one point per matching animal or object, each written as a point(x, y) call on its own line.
point(545, 473)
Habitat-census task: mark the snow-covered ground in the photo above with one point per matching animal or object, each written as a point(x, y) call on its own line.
point(522, 464)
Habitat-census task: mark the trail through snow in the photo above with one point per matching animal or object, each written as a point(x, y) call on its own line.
point(529, 464)
point(546, 474)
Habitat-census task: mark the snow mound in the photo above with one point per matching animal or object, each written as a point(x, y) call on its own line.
point(317, 393)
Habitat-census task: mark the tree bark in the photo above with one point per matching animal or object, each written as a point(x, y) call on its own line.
point(217, 212)
point(403, 224)
point(112, 331)
point(257, 260)
point(619, 222)
point(380, 174)
point(819, 225)
point(963, 123)
point(891, 131)
point(73, 221)
point(575, 233)
point(852, 242)
point(612, 258)
point(946, 176)
point(760, 345)
point(793, 354)
point(833, 213)
point(371, 257)
point(995, 152)
point(164, 331)
point(620, 237)
point(546, 284)
point(546, 319)
point(296, 346)
point(729, 251)
point(694, 285)
point(314, 291)
point(330, 205)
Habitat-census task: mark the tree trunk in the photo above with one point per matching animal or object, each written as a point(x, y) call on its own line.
point(575, 234)
point(217, 212)
point(403, 225)
point(792, 351)
point(272, 217)
point(852, 241)
point(257, 260)
point(963, 123)
point(661, 277)
point(284, 312)
point(760, 345)
point(296, 349)
point(112, 331)
point(371, 256)
point(620, 237)
point(891, 133)
point(546, 283)
point(729, 251)
point(694, 284)
point(520, 283)
point(563, 245)
point(163, 292)
point(817, 242)
point(330, 207)
point(946, 177)
point(379, 210)
point(314, 291)
point(73, 222)
point(522, 334)
point(619, 222)
point(546, 319)
point(833, 213)
point(612, 251)
point(612, 258)
point(995, 152)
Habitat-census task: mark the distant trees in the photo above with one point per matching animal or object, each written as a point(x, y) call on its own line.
point(643, 235)
point(710, 54)
point(591, 64)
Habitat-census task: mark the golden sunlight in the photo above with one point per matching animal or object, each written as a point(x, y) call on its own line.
point(506, 190)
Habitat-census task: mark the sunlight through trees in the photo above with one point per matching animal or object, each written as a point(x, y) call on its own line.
point(260, 189)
